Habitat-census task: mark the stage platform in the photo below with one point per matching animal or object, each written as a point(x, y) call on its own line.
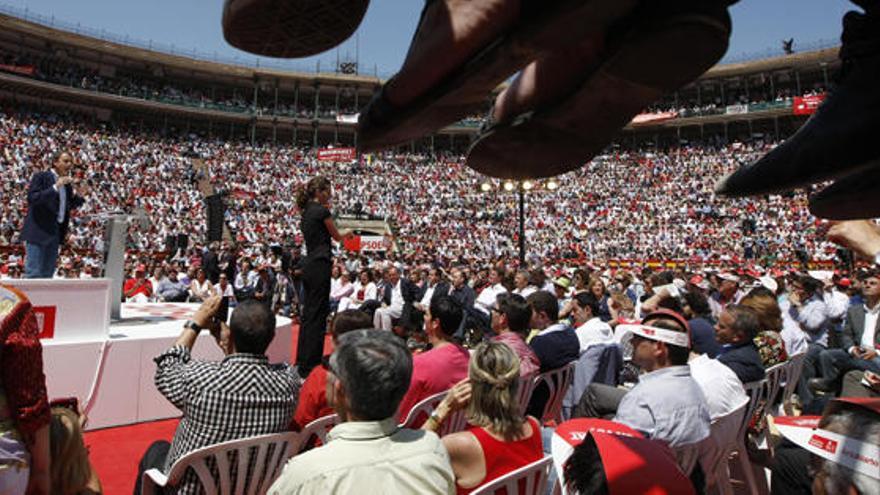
point(109, 365)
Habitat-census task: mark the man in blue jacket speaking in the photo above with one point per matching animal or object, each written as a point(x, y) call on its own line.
point(51, 197)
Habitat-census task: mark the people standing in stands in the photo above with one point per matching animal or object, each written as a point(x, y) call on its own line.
point(52, 195)
point(318, 228)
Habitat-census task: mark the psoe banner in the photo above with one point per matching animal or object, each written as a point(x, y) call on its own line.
point(337, 154)
point(807, 105)
point(363, 243)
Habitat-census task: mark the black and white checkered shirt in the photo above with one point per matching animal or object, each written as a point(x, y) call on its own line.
point(239, 397)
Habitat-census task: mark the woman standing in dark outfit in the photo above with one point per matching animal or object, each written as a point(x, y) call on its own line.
point(318, 228)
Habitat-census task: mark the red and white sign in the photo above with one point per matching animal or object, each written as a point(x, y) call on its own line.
point(807, 105)
point(337, 154)
point(27, 70)
point(45, 320)
point(364, 243)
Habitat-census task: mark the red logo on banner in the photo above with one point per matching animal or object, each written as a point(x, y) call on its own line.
point(823, 443)
point(45, 320)
point(337, 154)
point(353, 244)
point(807, 105)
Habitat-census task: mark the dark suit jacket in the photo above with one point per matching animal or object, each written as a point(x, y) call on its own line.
point(41, 223)
point(854, 327)
point(744, 360)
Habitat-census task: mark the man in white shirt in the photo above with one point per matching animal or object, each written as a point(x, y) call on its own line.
point(860, 340)
point(590, 329)
point(369, 373)
point(392, 304)
point(489, 295)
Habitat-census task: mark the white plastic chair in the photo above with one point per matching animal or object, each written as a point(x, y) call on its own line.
point(265, 453)
point(533, 476)
point(792, 376)
point(524, 393)
point(557, 382)
point(457, 421)
point(757, 392)
point(723, 439)
point(316, 429)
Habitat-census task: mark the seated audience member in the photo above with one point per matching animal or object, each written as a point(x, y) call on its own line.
point(445, 364)
point(801, 464)
point(667, 404)
point(500, 439)
point(171, 289)
point(392, 299)
point(344, 289)
point(696, 308)
point(221, 401)
point(522, 285)
point(860, 339)
point(735, 331)
point(25, 418)
point(224, 288)
point(363, 290)
point(488, 296)
point(510, 324)
point(138, 289)
point(556, 343)
point(597, 456)
point(200, 288)
point(71, 473)
point(368, 452)
point(589, 327)
point(312, 402)
point(245, 282)
point(768, 340)
point(621, 308)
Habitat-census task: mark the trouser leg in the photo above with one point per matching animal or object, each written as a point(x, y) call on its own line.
point(316, 308)
point(154, 458)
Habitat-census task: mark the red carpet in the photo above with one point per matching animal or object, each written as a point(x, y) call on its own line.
point(115, 452)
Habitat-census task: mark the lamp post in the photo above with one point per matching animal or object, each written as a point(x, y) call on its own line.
point(521, 187)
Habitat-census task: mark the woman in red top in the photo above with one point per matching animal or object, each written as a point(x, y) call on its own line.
point(501, 439)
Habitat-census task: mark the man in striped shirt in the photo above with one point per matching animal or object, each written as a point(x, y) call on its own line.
point(241, 396)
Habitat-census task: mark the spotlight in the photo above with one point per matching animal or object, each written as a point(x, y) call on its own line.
point(552, 185)
point(528, 185)
point(485, 187)
point(509, 186)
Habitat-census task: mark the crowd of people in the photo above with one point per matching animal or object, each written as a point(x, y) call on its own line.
point(641, 204)
point(121, 83)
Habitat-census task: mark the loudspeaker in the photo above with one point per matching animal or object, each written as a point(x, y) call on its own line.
point(216, 212)
point(170, 244)
point(182, 242)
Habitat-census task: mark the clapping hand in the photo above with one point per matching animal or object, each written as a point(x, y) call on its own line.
point(862, 236)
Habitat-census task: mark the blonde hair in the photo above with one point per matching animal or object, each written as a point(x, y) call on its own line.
point(70, 470)
point(767, 310)
point(494, 376)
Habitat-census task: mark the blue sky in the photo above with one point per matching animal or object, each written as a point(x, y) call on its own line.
point(384, 36)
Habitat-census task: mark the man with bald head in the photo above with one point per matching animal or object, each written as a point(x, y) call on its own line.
point(51, 197)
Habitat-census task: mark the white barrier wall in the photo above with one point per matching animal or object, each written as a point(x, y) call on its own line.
point(81, 307)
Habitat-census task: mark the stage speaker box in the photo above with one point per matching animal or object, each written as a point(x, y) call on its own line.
point(216, 211)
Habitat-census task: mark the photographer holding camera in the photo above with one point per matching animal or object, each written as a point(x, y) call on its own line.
point(219, 398)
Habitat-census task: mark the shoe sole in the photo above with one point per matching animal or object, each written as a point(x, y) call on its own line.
point(290, 28)
point(465, 91)
point(651, 61)
point(853, 197)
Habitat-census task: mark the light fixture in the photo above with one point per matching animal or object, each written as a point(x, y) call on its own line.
point(552, 185)
point(508, 186)
point(528, 185)
point(485, 187)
